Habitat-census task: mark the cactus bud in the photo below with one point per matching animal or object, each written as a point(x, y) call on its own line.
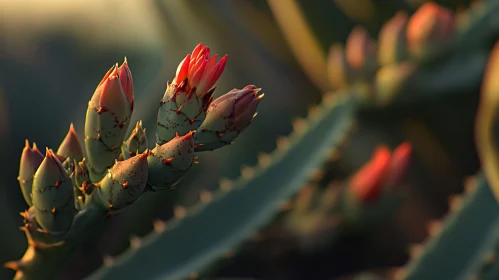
point(106, 122)
point(399, 163)
point(124, 182)
point(169, 162)
point(361, 53)
point(53, 197)
point(227, 117)
point(136, 143)
point(392, 46)
point(81, 178)
point(31, 158)
point(184, 104)
point(70, 147)
point(430, 26)
point(367, 183)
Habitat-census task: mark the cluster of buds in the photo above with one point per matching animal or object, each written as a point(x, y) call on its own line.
point(116, 171)
point(46, 182)
point(401, 38)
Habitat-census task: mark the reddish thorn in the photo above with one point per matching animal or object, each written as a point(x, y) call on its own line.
point(53, 210)
point(167, 161)
point(125, 185)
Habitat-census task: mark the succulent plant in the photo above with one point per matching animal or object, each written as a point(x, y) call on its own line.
point(419, 58)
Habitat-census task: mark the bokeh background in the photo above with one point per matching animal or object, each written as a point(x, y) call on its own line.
point(53, 54)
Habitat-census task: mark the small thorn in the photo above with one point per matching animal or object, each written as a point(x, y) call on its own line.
point(135, 242)
point(264, 159)
point(455, 202)
point(313, 112)
point(247, 172)
point(193, 276)
point(470, 184)
point(57, 184)
point(317, 175)
point(261, 96)
point(416, 250)
point(334, 155)
point(490, 258)
point(225, 184)
point(220, 134)
point(180, 212)
point(12, 265)
point(167, 161)
point(159, 225)
point(229, 254)
point(285, 206)
point(125, 185)
point(195, 162)
point(299, 125)
point(434, 227)
point(54, 210)
point(283, 143)
point(107, 260)
point(206, 196)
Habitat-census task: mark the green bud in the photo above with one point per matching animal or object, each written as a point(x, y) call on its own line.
point(124, 182)
point(53, 197)
point(136, 143)
point(227, 117)
point(31, 158)
point(81, 177)
point(169, 162)
point(70, 147)
point(392, 45)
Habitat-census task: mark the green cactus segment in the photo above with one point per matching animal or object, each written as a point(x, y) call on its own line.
point(124, 182)
point(180, 111)
point(31, 158)
point(135, 144)
point(169, 162)
point(53, 197)
point(233, 216)
point(105, 125)
point(448, 253)
point(227, 117)
point(486, 265)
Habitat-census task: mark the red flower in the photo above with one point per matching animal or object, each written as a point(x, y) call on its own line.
point(383, 170)
point(199, 71)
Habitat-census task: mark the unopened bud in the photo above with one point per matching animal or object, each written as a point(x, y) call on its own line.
point(227, 117)
point(135, 144)
point(31, 158)
point(169, 162)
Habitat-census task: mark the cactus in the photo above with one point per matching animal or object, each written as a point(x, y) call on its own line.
point(69, 193)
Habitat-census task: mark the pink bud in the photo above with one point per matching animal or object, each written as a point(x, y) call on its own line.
point(109, 95)
point(430, 26)
point(125, 76)
point(360, 49)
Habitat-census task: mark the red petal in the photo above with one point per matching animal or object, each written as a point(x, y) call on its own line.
point(182, 70)
point(366, 184)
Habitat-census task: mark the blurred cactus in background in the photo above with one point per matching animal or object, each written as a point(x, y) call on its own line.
point(399, 125)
